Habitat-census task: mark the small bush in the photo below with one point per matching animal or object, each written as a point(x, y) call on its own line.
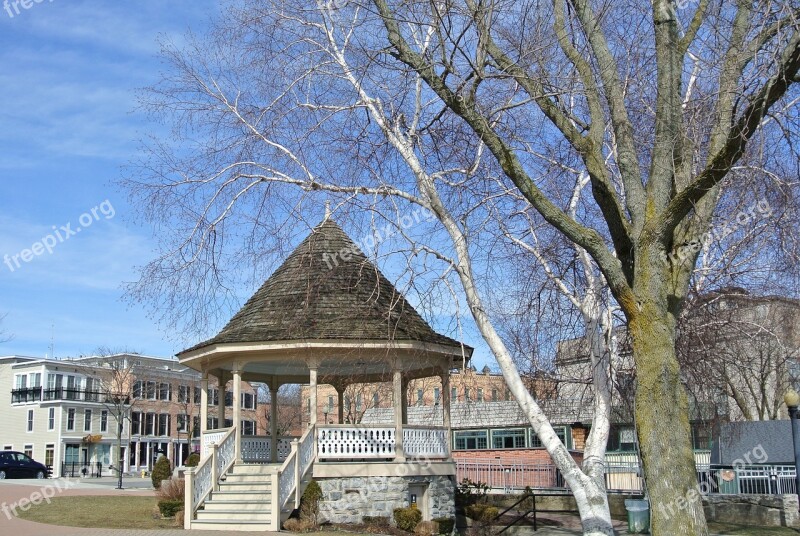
point(294, 524)
point(192, 460)
point(407, 518)
point(179, 518)
point(309, 503)
point(426, 528)
point(172, 489)
point(481, 512)
point(169, 508)
point(445, 525)
point(162, 470)
point(375, 521)
point(469, 492)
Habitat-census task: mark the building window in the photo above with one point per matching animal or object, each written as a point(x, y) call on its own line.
point(36, 379)
point(480, 394)
point(229, 399)
point(701, 436)
point(248, 401)
point(561, 432)
point(183, 422)
point(621, 439)
point(49, 454)
point(104, 421)
point(183, 394)
point(149, 424)
point(494, 395)
point(248, 428)
point(137, 389)
point(508, 439)
point(87, 420)
point(420, 397)
point(163, 425)
point(454, 394)
point(21, 381)
point(308, 406)
point(466, 394)
point(51, 419)
point(228, 423)
point(150, 390)
point(195, 426)
point(136, 423)
point(437, 395)
point(71, 419)
point(30, 420)
point(164, 391)
point(28, 450)
point(471, 440)
point(213, 397)
point(198, 393)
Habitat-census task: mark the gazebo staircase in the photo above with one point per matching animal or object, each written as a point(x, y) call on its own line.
point(224, 495)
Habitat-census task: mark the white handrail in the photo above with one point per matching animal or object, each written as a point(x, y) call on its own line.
point(295, 468)
point(203, 479)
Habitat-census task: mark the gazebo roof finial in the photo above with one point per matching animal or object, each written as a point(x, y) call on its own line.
point(327, 209)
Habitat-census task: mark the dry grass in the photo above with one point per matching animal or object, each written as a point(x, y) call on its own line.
point(113, 512)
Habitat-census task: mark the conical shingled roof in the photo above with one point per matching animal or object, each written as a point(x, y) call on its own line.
point(321, 293)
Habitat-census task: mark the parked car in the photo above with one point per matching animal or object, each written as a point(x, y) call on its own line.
point(18, 465)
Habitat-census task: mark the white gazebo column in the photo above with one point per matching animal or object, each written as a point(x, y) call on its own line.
point(398, 396)
point(221, 399)
point(273, 420)
point(237, 410)
point(312, 396)
point(446, 423)
point(340, 392)
point(203, 406)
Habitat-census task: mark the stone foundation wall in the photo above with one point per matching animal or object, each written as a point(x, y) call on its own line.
point(349, 500)
point(756, 510)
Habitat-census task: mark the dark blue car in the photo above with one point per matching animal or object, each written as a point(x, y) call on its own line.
point(18, 465)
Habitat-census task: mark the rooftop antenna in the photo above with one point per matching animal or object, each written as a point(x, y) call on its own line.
point(52, 345)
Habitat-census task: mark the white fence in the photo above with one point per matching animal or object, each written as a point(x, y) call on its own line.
point(422, 441)
point(355, 442)
point(624, 477)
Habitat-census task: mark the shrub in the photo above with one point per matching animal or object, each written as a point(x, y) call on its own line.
point(469, 492)
point(192, 460)
point(407, 518)
point(179, 518)
point(481, 512)
point(161, 471)
point(309, 503)
point(375, 521)
point(169, 508)
point(172, 489)
point(445, 525)
point(426, 528)
point(294, 524)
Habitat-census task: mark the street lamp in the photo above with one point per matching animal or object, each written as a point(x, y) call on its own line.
point(792, 400)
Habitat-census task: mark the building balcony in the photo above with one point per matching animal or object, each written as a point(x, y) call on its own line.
point(40, 394)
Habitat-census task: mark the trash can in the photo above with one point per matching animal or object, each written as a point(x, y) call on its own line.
point(638, 515)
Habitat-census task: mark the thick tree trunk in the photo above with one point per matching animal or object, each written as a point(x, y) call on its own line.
point(667, 456)
point(592, 501)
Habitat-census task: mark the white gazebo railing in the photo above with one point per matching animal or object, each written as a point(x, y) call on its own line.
point(209, 438)
point(355, 442)
point(290, 476)
point(258, 449)
point(425, 441)
point(203, 479)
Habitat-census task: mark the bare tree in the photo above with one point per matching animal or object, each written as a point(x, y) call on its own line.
point(289, 408)
point(469, 111)
point(4, 335)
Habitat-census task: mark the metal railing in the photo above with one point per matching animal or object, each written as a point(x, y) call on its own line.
point(38, 394)
point(627, 477)
point(77, 469)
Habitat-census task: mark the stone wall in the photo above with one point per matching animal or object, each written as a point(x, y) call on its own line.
point(348, 500)
point(756, 510)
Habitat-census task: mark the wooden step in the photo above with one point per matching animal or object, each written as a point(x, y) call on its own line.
point(216, 524)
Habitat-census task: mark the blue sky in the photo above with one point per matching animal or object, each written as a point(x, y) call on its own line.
point(69, 74)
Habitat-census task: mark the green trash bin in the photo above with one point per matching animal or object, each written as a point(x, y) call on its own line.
point(638, 515)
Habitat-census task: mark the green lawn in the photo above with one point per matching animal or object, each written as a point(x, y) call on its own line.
point(113, 512)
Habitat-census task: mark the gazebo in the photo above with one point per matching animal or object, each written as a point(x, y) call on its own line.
point(327, 315)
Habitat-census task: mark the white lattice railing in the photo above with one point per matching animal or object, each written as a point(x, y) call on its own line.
point(287, 479)
point(209, 438)
point(257, 449)
point(423, 441)
point(291, 473)
point(306, 451)
point(354, 442)
point(218, 457)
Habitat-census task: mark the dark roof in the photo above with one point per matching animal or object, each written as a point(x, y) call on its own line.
point(502, 413)
point(327, 289)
